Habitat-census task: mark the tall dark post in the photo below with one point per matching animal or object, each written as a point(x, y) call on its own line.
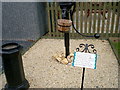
point(65, 7)
point(13, 67)
point(65, 15)
point(66, 40)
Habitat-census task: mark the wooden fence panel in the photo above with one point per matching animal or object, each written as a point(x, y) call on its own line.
point(99, 19)
point(113, 17)
point(85, 23)
point(89, 18)
point(56, 18)
point(117, 29)
point(49, 22)
point(103, 18)
point(77, 16)
point(81, 21)
point(108, 19)
point(53, 18)
point(94, 22)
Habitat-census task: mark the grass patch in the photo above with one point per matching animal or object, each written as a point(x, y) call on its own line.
point(115, 44)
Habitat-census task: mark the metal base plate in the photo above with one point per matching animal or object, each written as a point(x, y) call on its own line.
point(24, 86)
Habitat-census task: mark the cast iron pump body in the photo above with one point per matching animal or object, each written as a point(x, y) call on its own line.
point(66, 6)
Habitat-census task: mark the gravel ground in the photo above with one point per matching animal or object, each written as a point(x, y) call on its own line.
point(42, 71)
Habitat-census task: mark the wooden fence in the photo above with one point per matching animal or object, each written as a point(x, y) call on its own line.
point(89, 18)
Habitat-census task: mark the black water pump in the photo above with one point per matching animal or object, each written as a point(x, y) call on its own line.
point(66, 6)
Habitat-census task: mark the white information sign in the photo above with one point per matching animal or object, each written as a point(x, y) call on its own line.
point(86, 60)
